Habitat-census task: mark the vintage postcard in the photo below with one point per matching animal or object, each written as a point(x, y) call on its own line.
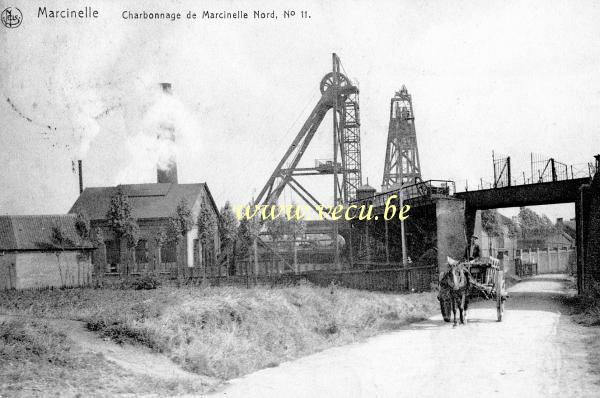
point(347, 198)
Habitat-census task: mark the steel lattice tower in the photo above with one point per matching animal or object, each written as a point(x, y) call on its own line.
point(340, 95)
point(401, 155)
point(350, 146)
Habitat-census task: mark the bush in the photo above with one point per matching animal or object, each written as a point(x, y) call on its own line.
point(147, 282)
point(32, 341)
point(587, 306)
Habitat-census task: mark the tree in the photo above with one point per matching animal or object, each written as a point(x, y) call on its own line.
point(489, 222)
point(119, 213)
point(206, 229)
point(99, 255)
point(297, 228)
point(132, 234)
point(122, 223)
point(82, 225)
point(228, 231)
point(180, 223)
point(276, 228)
point(533, 225)
point(98, 236)
point(160, 239)
point(229, 224)
point(492, 223)
point(248, 232)
point(172, 231)
point(183, 217)
point(59, 241)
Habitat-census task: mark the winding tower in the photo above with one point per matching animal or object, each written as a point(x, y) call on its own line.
point(402, 165)
point(341, 95)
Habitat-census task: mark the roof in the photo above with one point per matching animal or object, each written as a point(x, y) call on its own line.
point(34, 232)
point(366, 187)
point(147, 200)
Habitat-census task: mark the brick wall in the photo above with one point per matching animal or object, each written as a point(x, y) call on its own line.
point(451, 238)
point(46, 269)
point(591, 233)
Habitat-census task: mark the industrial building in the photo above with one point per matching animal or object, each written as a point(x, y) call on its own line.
point(40, 251)
point(152, 207)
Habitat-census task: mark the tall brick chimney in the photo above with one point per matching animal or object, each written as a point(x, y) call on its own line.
point(169, 173)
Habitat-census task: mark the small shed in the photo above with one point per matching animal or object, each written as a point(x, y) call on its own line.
point(39, 251)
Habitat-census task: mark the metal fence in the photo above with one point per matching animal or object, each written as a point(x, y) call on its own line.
point(549, 260)
point(412, 279)
point(420, 189)
point(388, 279)
point(502, 176)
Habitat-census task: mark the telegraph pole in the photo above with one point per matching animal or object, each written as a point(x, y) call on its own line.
point(402, 231)
point(334, 87)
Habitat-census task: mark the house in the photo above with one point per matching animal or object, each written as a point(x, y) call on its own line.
point(553, 250)
point(569, 227)
point(39, 251)
point(152, 207)
point(496, 234)
point(558, 239)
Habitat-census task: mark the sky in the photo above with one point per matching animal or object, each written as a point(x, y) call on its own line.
point(513, 77)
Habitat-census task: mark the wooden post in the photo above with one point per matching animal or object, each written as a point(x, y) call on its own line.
point(351, 247)
point(521, 254)
point(247, 275)
point(255, 248)
point(334, 86)
point(508, 170)
point(387, 243)
point(368, 241)
point(295, 255)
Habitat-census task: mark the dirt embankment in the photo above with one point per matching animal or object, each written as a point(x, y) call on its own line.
point(537, 351)
point(175, 335)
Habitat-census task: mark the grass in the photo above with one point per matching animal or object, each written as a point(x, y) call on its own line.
point(587, 306)
point(227, 332)
point(38, 360)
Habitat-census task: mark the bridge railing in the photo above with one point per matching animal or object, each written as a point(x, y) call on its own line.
point(543, 169)
point(420, 189)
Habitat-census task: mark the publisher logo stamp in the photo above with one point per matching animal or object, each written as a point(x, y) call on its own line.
point(11, 17)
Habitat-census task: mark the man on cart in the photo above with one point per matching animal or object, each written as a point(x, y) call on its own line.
point(473, 251)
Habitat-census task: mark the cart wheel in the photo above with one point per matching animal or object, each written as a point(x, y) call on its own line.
point(500, 283)
point(500, 309)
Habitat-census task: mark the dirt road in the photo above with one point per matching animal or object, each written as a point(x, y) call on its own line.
point(135, 359)
point(537, 351)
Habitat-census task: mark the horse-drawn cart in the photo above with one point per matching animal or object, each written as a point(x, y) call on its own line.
point(483, 277)
point(488, 281)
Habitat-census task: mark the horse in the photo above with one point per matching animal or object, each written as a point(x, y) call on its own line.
point(445, 299)
point(455, 285)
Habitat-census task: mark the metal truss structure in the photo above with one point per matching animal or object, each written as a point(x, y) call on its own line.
point(502, 176)
point(402, 155)
point(337, 93)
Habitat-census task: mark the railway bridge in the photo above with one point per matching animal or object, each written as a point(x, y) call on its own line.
point(444, 219)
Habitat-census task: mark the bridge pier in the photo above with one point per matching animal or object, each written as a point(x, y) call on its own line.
point(589, 235)
point(454, 224)
point(435, 229)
